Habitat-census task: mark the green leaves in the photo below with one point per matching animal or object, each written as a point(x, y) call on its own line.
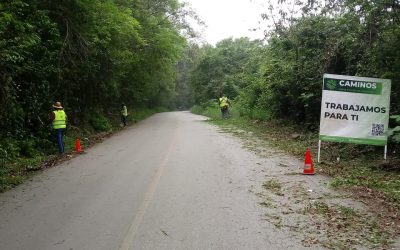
point(394, 133)
point(227, 68)
point(283, 78)
point(89, 54)
point(28, 62)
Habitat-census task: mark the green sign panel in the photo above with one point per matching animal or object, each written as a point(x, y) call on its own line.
point(364, 87)
point(355, 109)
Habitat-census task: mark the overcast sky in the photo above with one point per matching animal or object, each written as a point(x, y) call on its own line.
point(229, 18)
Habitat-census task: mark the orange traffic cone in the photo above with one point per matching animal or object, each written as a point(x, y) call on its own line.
point(308, 164)
point(78, 147)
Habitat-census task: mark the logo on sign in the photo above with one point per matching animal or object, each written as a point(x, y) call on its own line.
point(364, 87)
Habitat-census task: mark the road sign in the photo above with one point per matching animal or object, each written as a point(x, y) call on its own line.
point(355, 110)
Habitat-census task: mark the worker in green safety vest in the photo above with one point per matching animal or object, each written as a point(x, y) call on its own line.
point(224, 104)
point(124, 114)
point(59, 124)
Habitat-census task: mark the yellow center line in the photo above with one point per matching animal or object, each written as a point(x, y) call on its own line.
point(128, 239)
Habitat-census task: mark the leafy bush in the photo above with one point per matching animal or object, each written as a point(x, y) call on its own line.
point(394, 133)
point(197, 109)
point(9, 150)
point(261, 113)
point(209, 108)
point(28, 148)
point(212, 110)
point(99, 122)
point(143, 113)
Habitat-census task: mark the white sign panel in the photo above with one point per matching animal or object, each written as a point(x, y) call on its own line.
point(355, 109)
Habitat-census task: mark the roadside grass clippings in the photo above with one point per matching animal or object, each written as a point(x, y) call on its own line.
point(274, 185)
point(355, 110)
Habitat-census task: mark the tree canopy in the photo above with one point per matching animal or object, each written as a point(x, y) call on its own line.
point(94, 54)
point(90, 54)
point(282, 76)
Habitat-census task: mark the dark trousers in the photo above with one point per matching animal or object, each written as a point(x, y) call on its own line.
point(60, 139)
point(225, 112)
point(123, 118)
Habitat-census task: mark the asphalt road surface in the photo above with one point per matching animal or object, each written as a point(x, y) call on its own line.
point(171, 181)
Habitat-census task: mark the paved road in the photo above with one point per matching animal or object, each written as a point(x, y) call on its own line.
point(169, 182)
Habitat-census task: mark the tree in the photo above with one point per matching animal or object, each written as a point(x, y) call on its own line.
point(89, 54)
point(221, 69)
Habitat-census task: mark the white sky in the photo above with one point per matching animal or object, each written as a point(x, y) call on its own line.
point(229, 18)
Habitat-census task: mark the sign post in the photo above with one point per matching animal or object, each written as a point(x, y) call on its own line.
point(354, 110)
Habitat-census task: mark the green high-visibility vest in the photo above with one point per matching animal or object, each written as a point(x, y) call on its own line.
point(60, 119)
point(124, 111)
point(223, 101)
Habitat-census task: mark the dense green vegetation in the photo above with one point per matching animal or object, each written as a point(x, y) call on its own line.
point(89, 54)
point(19, 159)
point(94, 54)
point(281, 77)
point(276, 84)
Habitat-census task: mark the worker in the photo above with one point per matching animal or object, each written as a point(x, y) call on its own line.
point(124, 114)
point(59, 124)
point(224, 104)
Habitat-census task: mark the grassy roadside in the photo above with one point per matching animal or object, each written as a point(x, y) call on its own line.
point(20, 159)
point(360, 168)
